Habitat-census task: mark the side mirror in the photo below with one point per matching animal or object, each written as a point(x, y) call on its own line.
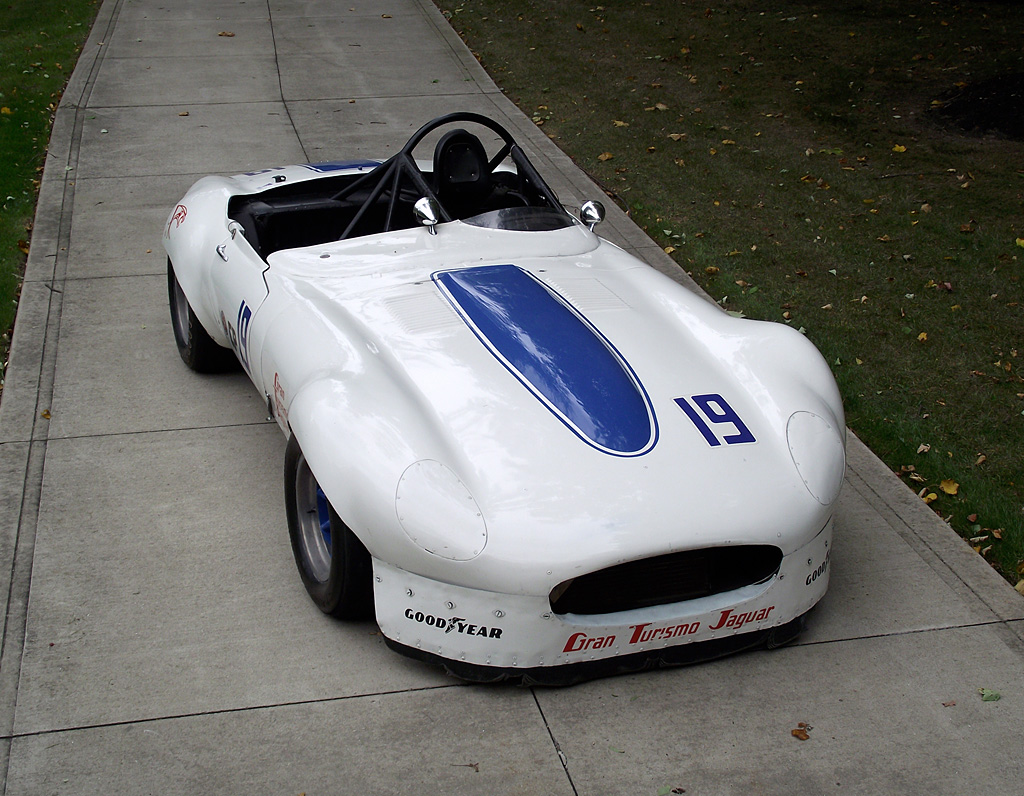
point(427, 212)
point(592, 214)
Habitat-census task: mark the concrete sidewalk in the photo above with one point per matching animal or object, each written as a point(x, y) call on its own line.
point(156, 636)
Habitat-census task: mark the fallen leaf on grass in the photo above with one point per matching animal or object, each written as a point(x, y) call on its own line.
point(949, 486)
point(5, 111)
point(929, 498)
point(605, 156)
point(924, 447)
point(1020, 587)
point(677, 136)
point(1020, 241)
point(619, 123)
point(899, 148)
point(923, 337)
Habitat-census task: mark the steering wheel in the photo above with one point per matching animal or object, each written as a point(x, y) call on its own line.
point(390, 173)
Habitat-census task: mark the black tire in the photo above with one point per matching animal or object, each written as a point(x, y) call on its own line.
point(334, 566)
point(198, 350)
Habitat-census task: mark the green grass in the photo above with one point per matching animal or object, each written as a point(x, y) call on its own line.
point(39, 45)
point(794, 160)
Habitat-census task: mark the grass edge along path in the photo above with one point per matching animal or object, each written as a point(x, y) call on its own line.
point(40, 41)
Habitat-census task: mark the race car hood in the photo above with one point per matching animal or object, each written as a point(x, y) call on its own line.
point(545, 396)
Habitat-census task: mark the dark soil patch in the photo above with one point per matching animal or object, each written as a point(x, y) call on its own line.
point(988, 106)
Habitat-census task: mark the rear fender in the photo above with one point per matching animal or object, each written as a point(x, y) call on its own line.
point(194, 229)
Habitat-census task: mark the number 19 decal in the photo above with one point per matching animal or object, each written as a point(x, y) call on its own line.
point(714, 409)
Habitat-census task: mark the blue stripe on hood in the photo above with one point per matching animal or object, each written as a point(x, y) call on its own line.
point(557, 354)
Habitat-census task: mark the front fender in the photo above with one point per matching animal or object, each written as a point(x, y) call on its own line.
point(359, 443)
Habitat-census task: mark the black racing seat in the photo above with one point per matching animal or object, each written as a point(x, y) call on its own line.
point(462, 181)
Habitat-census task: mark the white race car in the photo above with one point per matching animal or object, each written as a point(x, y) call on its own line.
point(531, 454)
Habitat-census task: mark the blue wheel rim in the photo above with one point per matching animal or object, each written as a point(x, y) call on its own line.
point(324, 516)
point(314, 517)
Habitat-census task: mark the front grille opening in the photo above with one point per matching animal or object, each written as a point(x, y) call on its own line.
point(666, 579)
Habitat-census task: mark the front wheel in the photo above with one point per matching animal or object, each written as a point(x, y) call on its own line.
point(197, 349)
point(334, 566)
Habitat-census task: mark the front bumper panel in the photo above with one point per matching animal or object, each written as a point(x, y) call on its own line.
point(491, 635)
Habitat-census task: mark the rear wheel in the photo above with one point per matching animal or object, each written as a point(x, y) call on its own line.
point(198, 350)
point(334, 566)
